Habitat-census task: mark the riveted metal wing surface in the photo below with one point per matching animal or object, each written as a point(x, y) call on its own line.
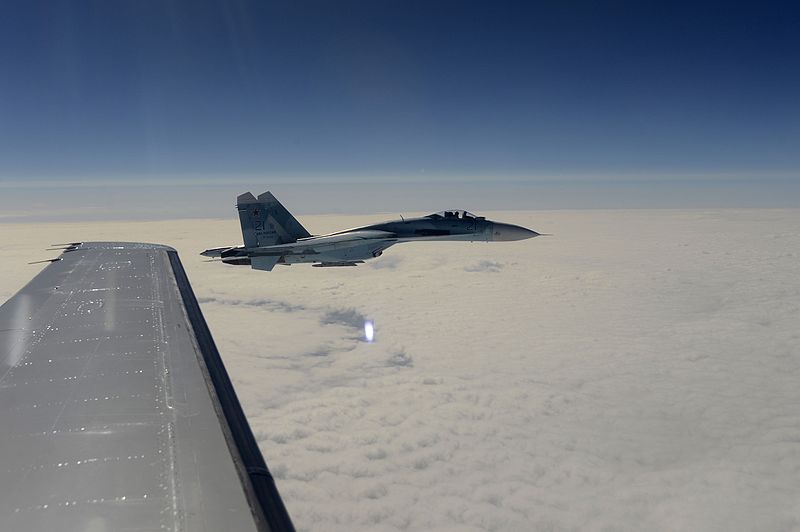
point(116, 412)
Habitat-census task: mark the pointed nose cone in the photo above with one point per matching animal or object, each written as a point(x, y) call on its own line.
point(508, 232)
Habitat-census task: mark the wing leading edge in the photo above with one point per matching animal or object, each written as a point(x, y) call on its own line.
point(116, 412)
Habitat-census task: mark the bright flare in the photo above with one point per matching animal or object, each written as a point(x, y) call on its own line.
point(369, 330)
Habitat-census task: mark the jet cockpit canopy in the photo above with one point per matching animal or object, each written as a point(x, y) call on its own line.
point(455, 214)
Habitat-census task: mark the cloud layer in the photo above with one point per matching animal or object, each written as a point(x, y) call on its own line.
point(637, 372)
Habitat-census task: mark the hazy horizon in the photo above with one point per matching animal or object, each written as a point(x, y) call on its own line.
point(87, 200)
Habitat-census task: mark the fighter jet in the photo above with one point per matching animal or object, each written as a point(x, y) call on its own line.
point(273, 236)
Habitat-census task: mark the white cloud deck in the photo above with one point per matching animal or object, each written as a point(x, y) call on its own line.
point(638, 370)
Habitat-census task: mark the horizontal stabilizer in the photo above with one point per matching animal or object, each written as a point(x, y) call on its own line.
point(264, 263)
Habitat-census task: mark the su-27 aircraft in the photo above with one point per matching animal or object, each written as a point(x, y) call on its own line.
point(273, 236)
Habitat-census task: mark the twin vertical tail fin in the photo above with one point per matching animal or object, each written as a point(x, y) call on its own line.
point(265, 222)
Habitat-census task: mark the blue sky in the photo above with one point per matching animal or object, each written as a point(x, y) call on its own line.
point(234, 92)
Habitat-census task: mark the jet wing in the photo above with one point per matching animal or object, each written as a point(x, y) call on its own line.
point(351, 235)
point(320, 244)
point(116, 412)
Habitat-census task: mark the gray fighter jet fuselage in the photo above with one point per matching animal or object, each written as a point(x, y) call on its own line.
point(273, 236)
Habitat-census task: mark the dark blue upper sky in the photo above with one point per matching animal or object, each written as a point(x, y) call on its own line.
point(391, 89)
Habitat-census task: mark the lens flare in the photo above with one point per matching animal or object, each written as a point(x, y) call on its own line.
point(369, 330)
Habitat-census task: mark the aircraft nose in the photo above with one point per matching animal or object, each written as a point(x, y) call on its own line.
point(508, 232)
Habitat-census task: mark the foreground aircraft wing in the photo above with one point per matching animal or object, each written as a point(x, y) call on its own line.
point(116, 412)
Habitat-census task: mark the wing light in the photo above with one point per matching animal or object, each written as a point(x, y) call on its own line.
point(369, 330)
